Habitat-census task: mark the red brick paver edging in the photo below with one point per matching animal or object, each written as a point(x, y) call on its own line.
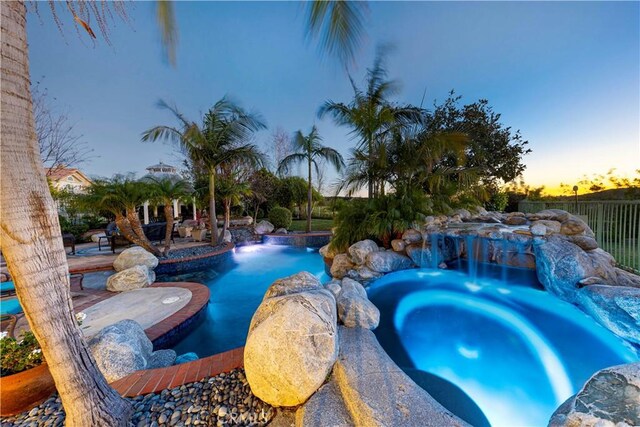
point(199, 298)
point(155, 380)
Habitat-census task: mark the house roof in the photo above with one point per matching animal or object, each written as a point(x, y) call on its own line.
point(58, 174)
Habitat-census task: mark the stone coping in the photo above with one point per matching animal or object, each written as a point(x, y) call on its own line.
point(155, 380)
point(196, 262)
point(227, 247)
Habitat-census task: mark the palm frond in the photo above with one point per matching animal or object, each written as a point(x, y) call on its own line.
point(338, 26)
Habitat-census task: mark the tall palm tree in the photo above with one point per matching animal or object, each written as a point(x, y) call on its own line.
point(309, 150)
point(29, 230)
point(372, 117)
point(223, 138)
point(164, 190)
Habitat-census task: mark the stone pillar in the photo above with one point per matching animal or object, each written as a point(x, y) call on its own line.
point(194, 208)
point(145, 209)
point(155, 211)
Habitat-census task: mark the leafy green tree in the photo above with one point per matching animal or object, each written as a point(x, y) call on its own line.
point(309, 151)
point(223, 138)
point(372, 118)
point(164, 190)
point(494, 151)
point(264, 185)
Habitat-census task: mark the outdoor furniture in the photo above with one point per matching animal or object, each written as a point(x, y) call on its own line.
point(199, 234)
point(69, 241)
point(75, 281)
point(112, 236)
point(156, 232)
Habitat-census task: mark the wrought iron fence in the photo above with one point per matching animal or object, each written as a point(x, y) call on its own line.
point(616, 225)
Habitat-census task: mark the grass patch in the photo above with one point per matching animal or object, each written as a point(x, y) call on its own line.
point(316, 225)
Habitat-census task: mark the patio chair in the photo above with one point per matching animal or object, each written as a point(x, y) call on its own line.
point(112, 236)
point(156, 232)
point(69, 241)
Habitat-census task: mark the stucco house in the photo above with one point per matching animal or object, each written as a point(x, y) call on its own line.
point(69, 179)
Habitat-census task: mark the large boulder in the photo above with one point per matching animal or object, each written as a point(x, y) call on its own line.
point(264, 227)
point(561, 265)
point(299, 282)
point(355, 310)
point(388, 261)
point(132, 278)
point(359, 250)
point(423, 256)
point(363, 274)
point(412, 236)
point(617, 308)
point(398, 245)
point(123, 348)
point(341, 266)
point(610, 398)
point(543, 226)
point(627, 279)
point(291, 346)
point(327, 251)
point(135, 256)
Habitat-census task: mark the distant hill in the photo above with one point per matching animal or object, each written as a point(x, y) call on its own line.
point(629, 193)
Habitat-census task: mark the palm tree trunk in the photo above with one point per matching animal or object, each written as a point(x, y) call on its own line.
point(168, 214)
point(227, 213)
point(309, 199)
point(32, 243)
point(212, 208)
point(141, 238)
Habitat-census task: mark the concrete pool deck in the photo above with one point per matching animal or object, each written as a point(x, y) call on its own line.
point(147, 306)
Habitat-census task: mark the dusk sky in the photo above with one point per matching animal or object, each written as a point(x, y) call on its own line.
point(566, 74)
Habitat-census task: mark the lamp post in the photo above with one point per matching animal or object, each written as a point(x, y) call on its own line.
point(575, 191)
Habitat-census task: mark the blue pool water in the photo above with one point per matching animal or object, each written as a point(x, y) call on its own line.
point(516, 351)
point(10, 306)
point(237, 290)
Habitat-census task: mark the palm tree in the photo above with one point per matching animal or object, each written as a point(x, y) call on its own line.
point(164, 190)
point(309, 150)
point(372, 118)
point(29, 228)
point(122, 196)
point(222, 139)
point(232, 191)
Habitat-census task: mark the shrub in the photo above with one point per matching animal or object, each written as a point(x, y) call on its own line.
point(380, 219)
point(280, 217)
point(498, 202)
point(19, 355)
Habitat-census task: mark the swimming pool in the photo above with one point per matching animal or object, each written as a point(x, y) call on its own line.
point(237, 289)
point(516, 351)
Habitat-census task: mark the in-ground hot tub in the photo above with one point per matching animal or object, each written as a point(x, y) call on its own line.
point(516, 351)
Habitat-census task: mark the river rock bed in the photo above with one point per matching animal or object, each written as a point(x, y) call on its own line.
point(225, 399)
point(193, 251)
